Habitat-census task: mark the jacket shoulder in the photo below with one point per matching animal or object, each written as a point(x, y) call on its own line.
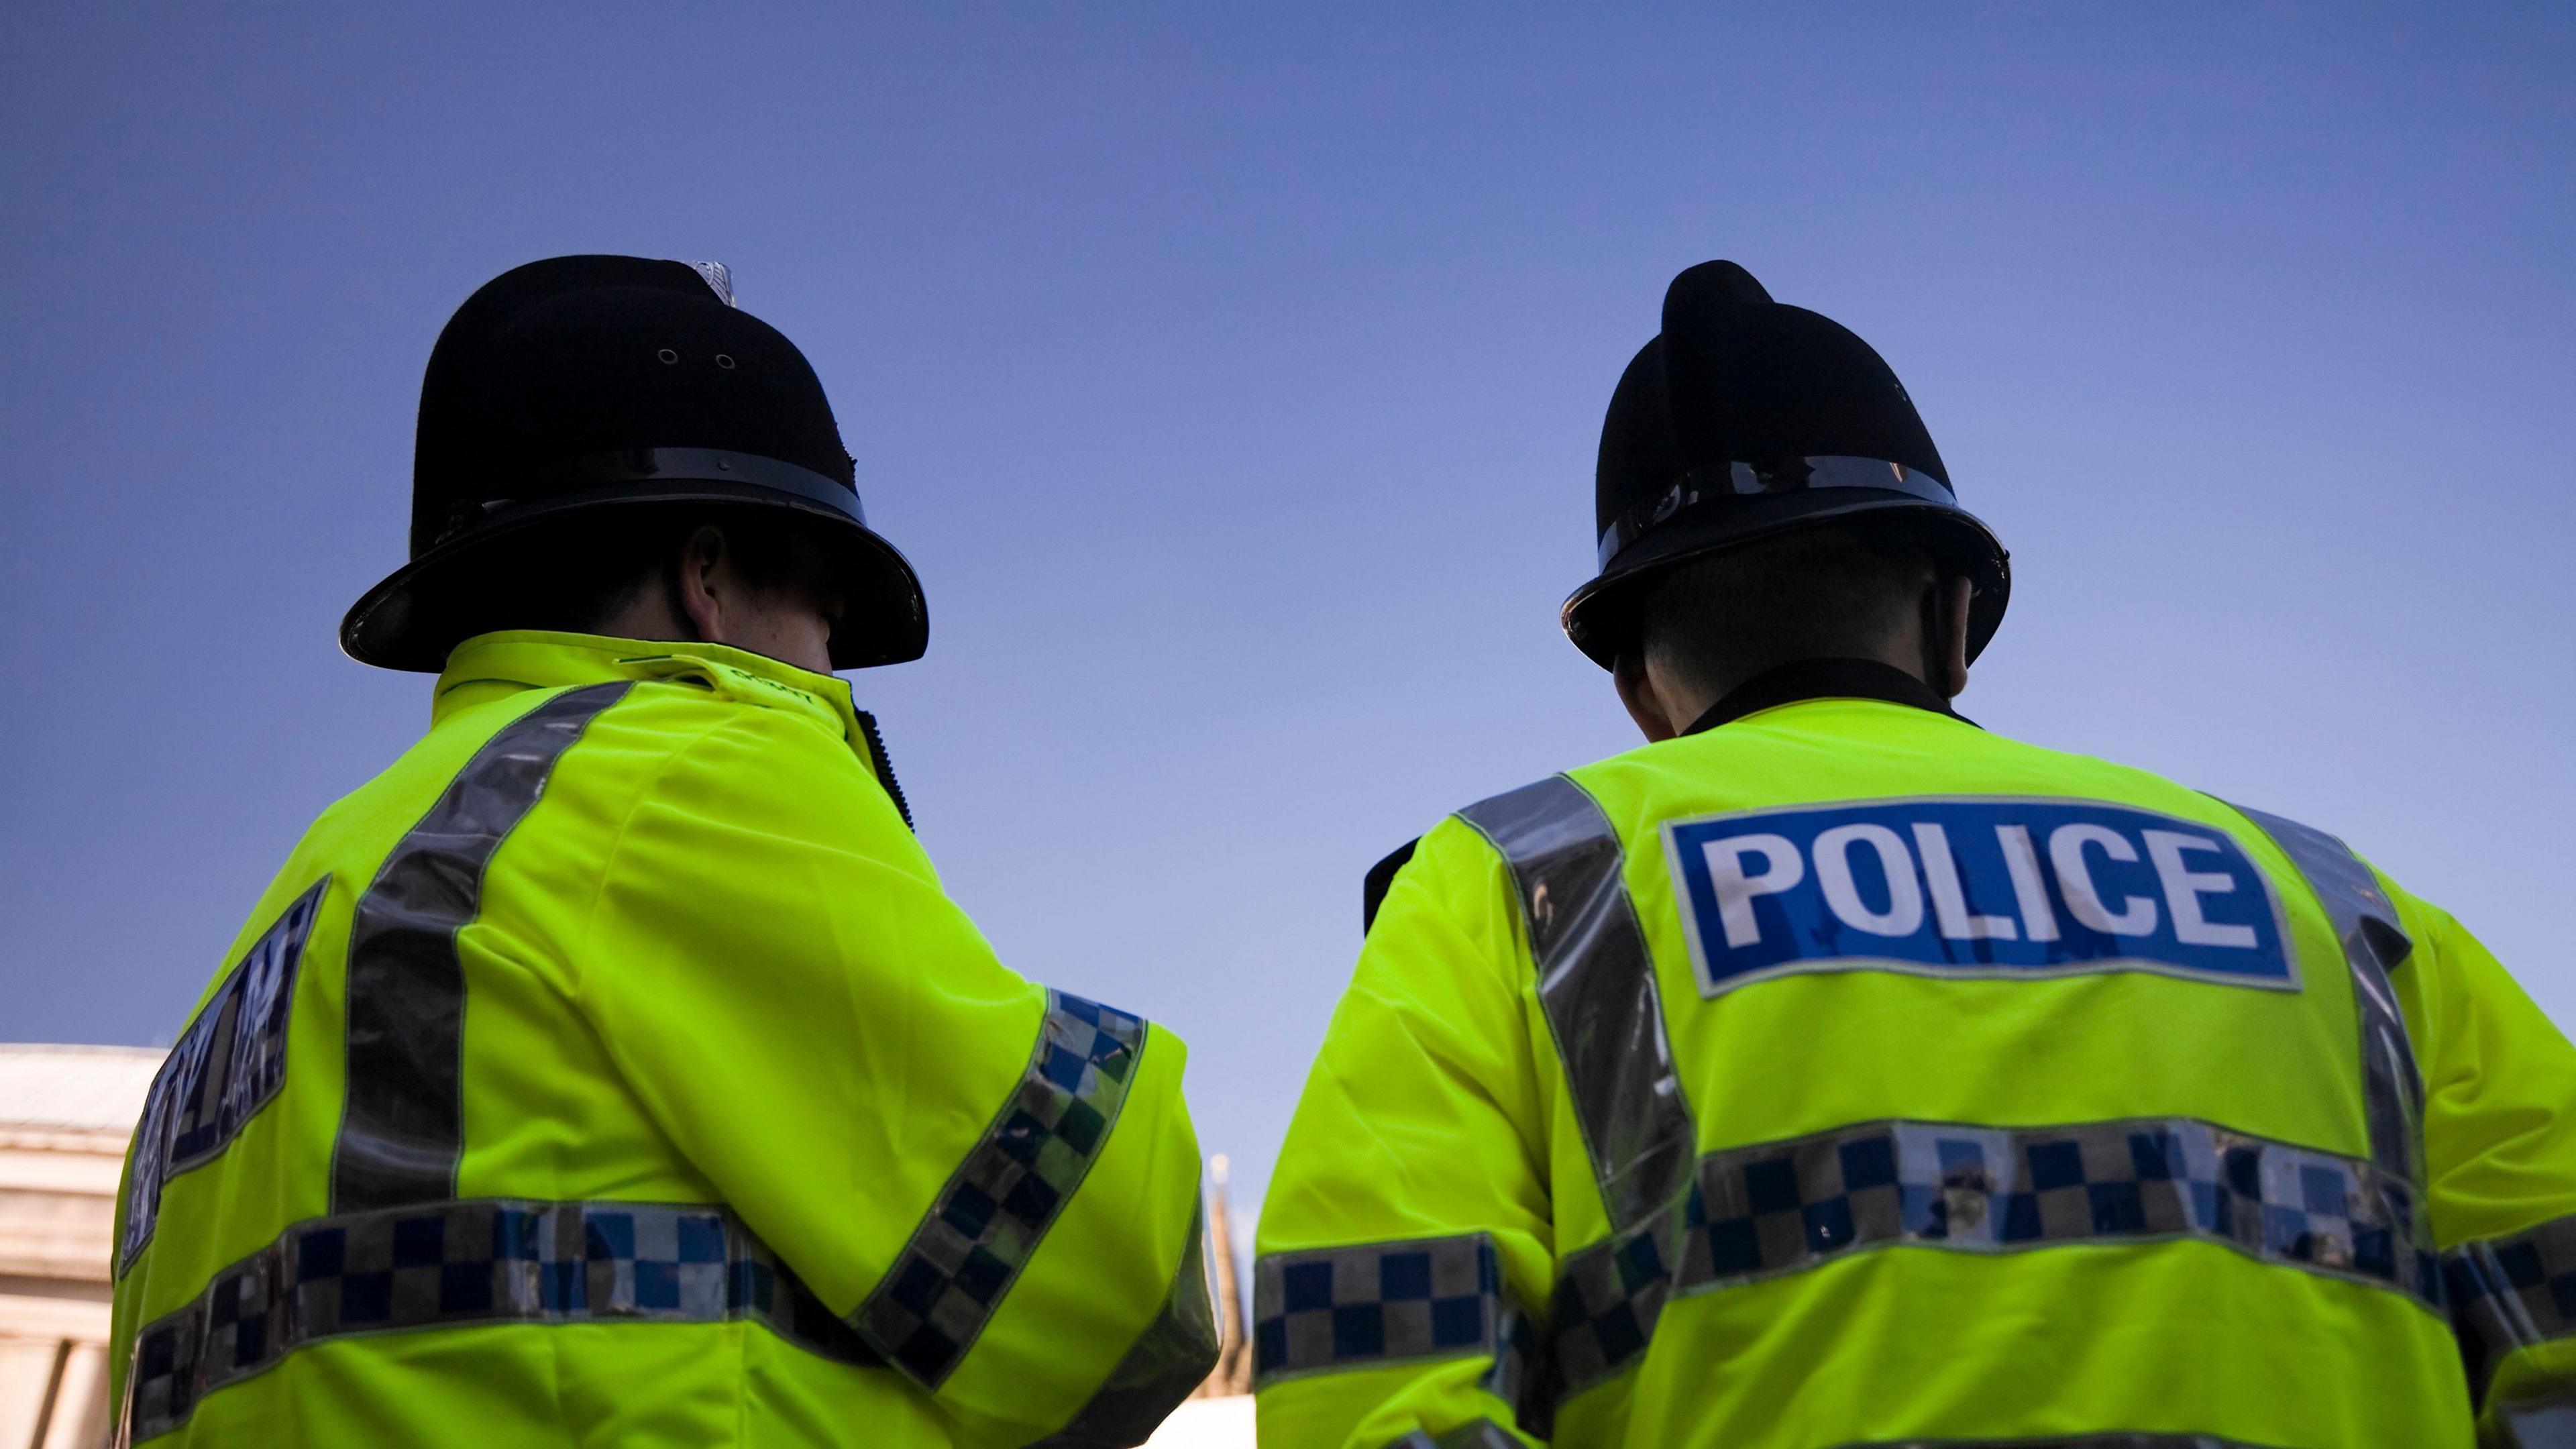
point(719, 748)
point(1488, 833)
point(1380, 879)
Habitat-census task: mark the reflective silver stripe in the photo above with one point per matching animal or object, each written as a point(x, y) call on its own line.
point(2365, 924)
point(1173, 1356)
point(1782, 1207)
point(460, 1264)
point(1596, 983)
point(1482, 1434)
point(2510, 1293)
point(402, 1125)
point(968, 1250)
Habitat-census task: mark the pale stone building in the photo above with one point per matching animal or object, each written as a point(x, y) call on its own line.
point(65, 1115)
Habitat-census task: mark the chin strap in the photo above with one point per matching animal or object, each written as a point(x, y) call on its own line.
point(884, 766)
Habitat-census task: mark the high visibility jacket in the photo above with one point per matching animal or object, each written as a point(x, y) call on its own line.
point(1846, 1075)
point(613, 1070)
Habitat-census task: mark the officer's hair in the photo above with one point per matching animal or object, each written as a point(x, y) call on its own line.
point(1837, 591)
point(579, 578)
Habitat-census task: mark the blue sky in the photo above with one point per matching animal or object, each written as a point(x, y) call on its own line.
point(1233, 379)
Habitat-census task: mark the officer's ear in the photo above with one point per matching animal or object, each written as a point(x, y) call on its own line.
point(701, 581)
point(1945, 635)
point(1637, 692)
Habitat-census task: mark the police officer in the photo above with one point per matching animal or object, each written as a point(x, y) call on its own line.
point(1831, 1072)
point(612, 1069)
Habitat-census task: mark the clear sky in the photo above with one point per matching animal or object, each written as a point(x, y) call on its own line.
point(1234, 383)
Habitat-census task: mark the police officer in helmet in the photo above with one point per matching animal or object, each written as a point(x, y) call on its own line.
point(613, 1068)
point(1832, 1072)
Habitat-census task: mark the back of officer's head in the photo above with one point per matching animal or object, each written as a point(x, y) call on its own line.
point(1767, 493)
point(588, 425)
point(585, 576)
point(1846, 591)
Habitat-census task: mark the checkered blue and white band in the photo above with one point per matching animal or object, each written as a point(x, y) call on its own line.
point(1781, 1207)
point(968, 1250)
point(456, 1264)
point(1372, 1304)
point(2510, 1293)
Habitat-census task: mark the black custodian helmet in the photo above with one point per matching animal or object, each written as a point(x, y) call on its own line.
point(577, 385)
point(1745, 419)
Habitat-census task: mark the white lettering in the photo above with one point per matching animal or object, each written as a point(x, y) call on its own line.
point(2075, 879)
point(1904, 913)
point(1949, 903)
point(1781, 869)
point(2030, 889)
point(2184, 887)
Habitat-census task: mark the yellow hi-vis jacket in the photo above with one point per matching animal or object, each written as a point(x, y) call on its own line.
point(1845, 1075)
point(612, 1070)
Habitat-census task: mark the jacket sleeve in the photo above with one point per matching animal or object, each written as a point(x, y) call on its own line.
point(2500, 1149)
point(1406, 1231)
point(994, 1184)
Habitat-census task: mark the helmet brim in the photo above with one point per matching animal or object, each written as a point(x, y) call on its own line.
point(1602, 617)
point(417, 614)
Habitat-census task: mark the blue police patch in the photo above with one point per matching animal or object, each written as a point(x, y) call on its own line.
point(226, 1066)
point(2010, 888)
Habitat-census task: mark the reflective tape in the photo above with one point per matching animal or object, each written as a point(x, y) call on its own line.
point(462, 1264)
point(1782, 1207)
point(1596, 984)
point(1523, 1375)
point(2365, 925)
point(1374, 1303)
point(1174, 1355)
point(968, 1250)
point(2511, 1293)
point(1366, 1305)
point(402, 1126)
point(1765, 1211)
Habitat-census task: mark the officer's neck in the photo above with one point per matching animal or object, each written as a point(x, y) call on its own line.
point(708, 599)
point(1670, 708)
point(1931, 652)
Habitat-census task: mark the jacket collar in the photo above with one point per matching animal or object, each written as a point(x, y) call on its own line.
point(1824, 679)
point(494, 666)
